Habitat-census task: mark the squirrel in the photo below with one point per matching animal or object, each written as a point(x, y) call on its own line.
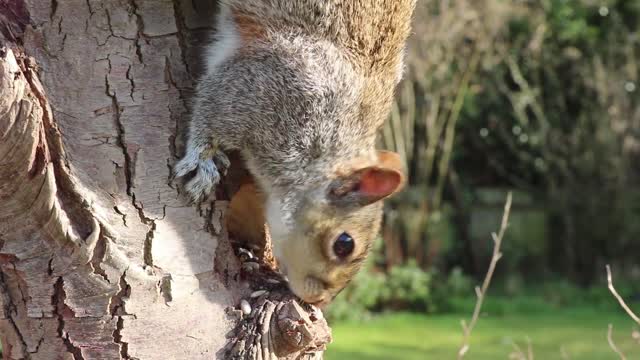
point(300, 88)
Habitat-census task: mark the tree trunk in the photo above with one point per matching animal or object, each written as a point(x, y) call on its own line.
point(100, 258)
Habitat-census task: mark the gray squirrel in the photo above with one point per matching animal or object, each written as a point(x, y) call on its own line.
point(300, 88)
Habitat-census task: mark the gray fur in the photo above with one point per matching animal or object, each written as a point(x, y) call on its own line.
point(301, 88)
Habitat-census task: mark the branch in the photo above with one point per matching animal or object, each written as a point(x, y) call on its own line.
point(617, 296)
point(625, 307)
point(612, 344)
point(518, 354)
point(480, 292)
point(272, 324)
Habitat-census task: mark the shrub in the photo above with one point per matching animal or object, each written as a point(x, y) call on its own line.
point(405, 287)
point(408, 287)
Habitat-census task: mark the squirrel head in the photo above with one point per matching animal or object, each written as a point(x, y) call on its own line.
point(321, 240)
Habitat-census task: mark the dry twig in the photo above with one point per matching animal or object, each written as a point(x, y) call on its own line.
point(480, 292)
point(613, 345)
point(518, 354)
point(625, 307)
point(619, 298)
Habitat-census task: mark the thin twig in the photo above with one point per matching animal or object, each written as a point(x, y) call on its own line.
point(480, 292)
point(620, 300)
point(519, 354)
point(612, 344)
point(635, 335)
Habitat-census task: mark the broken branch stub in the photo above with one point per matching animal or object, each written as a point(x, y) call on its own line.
point(283, 331)
point(276, 325)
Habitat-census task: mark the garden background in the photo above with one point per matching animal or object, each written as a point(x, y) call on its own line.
point(538, 98)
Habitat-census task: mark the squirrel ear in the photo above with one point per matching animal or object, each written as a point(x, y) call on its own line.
point(370, 184)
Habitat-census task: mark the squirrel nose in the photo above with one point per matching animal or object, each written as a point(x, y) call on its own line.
point(314, 289)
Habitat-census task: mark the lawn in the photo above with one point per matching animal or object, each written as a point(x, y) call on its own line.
point(581, 333)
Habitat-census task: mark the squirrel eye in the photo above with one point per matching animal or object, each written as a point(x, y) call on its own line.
point(343, 246)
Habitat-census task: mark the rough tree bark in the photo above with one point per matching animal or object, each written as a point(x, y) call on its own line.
point(100, 258)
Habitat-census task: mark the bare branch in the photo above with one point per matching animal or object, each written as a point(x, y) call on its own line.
point(620, 299)
point(487, 280)
point(612, 344)
point(635, 335)
point(518, 353)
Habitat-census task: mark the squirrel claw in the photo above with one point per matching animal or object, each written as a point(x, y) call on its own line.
point(202, 184)
point(222, 161)
point(207, 176)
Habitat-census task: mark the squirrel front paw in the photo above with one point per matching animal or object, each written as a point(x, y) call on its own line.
point(208, 167)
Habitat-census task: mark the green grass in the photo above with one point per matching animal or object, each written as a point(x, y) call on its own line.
point(581, 332)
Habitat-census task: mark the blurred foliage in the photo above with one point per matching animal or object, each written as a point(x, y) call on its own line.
point(409, 288)
point(556, 113)
point(405, 287)
point(542, 99)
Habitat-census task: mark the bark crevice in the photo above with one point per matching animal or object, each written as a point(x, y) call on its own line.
point(61, 310)
point(99, 252)
point(117, 309)
point(9, 310)
point(52, 149)
point(117, 111)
